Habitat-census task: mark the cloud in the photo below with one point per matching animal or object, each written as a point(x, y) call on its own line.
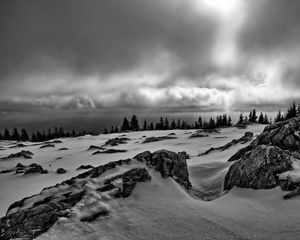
point(141, 54)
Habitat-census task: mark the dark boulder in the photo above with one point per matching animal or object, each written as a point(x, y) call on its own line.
point(110, 151)
point(116, 141)
point(259, 168)
point(157, 139)
point(61, 171)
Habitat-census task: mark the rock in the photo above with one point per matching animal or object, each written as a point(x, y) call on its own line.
point(211, 130)
point(131, 178)
point(62, 149)
point(259, 168)
point(244, 139)
point(156, 139)
point(198, 135)
point(92, 147)
point(35, 168)
point(19, 165)
point(116, 141)
point(110, 151)
point(23, 154)
point(61, 171)
point(53, 142)
point(241, 125)
point(31, 216)
point(84, 167)
point(19, 145)
point(169, 164)
point(48, 146)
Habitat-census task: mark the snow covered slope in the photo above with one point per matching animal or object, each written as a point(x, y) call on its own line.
point(158, 209)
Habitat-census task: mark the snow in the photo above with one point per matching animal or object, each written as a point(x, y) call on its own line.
point(160, 208)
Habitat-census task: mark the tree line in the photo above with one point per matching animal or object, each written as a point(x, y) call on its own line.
point(253, 118)
point(39, 136)
point(291, 112)
point(165, 124)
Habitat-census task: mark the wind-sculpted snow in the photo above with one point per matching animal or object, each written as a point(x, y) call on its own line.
point(88, 194)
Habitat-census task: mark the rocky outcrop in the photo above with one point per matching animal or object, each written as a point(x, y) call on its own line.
point(157, 139)
point(116, 141)
point(284, 135)
point(62, 149)
point(29, 217)
point(169, 164)
point(273, 152)
point(259, 169)
point(93, 147)
point(244, 139)
point(19, 145)
point(22, 154)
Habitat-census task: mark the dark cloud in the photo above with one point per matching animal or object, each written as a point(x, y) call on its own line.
point(139, 54)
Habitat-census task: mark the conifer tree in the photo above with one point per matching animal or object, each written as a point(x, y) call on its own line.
point(134, 123)
point(24, 135)
point(125, 125)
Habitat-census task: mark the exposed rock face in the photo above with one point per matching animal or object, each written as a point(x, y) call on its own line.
point(19, 145)
point(23, 154)
point(63, 149)
point(244, 139)
point(169, 164)
point(29, 217)
point(259, 168)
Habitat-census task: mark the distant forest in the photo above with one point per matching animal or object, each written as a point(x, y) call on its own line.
point(163, 124)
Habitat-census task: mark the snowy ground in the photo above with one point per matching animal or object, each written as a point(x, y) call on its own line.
point(160, 209)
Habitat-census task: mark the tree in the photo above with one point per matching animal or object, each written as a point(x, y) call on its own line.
point(173, 124)
point(167, 124)
point(151, 127)
point(134, 123)
point(229, 122)
point(279, 117)
point(200, 123)
point(6, 134)
point(261, 118)
point(116, 129)
point(24, 135)
point(15, 136)
point(252, 116)
point(125, 125)
point(33, 137)
point(105, 131)
point(145, 126)
point(291, 112)
point(241, 119)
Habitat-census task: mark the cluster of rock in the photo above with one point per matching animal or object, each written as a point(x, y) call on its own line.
point(273, 152)
point(157, 139)
point(48, 145)
point(22, 154)
point(116, 141)
point(29, 217)
point(244, 139)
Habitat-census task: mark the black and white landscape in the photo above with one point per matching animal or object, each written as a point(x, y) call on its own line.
point(149, 119)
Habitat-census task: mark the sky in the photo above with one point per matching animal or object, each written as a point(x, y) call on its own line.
point(120, 56)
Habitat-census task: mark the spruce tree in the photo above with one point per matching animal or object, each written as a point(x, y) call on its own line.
point(125, 125)
point(15, 135)
point(24, 135)
point(145, 126)
point(134, 123)
point(167, 124)
point(173, 124)
point(6, 134)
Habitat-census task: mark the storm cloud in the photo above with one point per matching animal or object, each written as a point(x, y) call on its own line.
point(139, 54)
